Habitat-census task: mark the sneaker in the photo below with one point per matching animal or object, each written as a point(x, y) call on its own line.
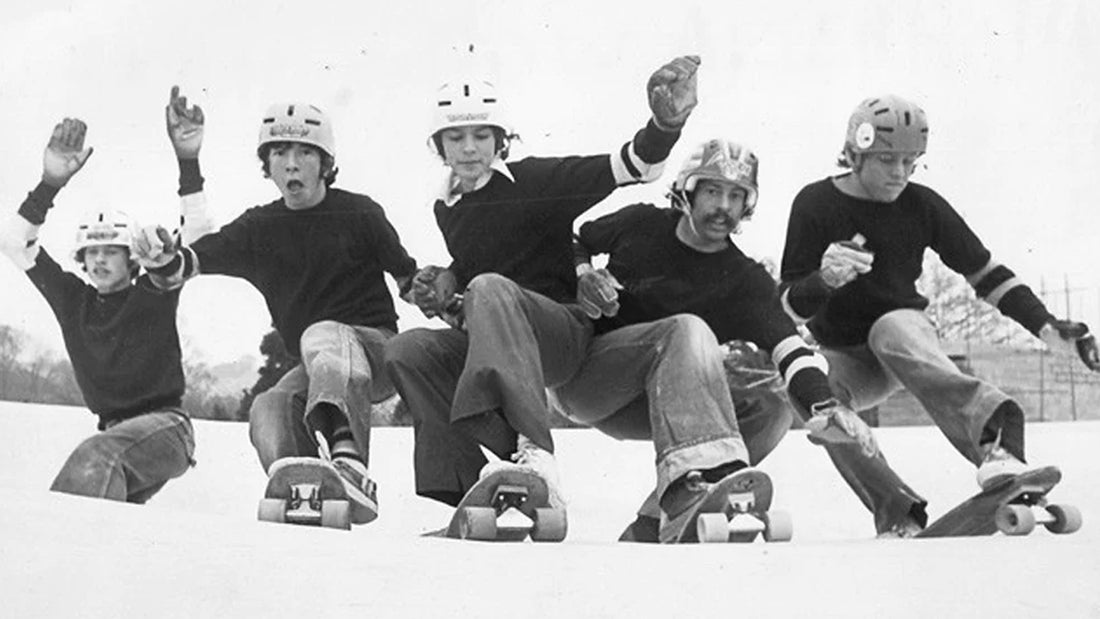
point(905, 529)
point(362, 491)
point(997, 465)
point(531, 457)
point(687, 492)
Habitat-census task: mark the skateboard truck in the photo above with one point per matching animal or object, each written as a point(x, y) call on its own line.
point(304, 504)
point(507, 503)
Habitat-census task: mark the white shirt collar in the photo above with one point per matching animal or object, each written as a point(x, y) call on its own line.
point(448, 186)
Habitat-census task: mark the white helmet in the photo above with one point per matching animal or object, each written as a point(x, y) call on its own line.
point(887, 124)
point(467, 102)
point(720, 160)
point(298, 122)
point(103, 227)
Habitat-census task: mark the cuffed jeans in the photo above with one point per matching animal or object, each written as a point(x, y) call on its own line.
point(903, 350)
point(484, 385)
point(130, 460)
point(339, 366)
point(665, 381)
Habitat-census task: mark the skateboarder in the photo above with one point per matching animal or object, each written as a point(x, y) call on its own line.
point(508, 227)
point(854, 248)
point(120, 334)
point(317, 254)
point(679, 267)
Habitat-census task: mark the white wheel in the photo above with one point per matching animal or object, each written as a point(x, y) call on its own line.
point(336, 515)
point(712, 528)
point(1067, 519)
point(478, 523)
point(778, 526)
point(271, 510)
point(551, 525)
point(1015, 520)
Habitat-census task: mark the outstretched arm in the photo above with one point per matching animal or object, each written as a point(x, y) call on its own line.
point(186, 126)
point(64, 156)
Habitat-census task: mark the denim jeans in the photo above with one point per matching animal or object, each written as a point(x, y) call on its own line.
point(484, 385)
point(339, 366)
point(664, 381)
point(130, 460)
point(903, 350)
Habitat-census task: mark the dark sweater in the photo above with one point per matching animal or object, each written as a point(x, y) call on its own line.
point(897, 233)
point(320, 263)
point(123, 346)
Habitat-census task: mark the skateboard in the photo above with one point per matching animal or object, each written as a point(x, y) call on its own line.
point(305, 491)
point(508, 505)
point(735, 509)
point(1012, 506)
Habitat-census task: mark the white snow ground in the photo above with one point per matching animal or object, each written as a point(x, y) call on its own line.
point(196, 550)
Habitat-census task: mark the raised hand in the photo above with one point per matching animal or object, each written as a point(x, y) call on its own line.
point(185, 125)
point(65, 153)
point(672, 92)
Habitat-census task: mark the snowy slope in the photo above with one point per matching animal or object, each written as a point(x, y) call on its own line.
point(197, 550)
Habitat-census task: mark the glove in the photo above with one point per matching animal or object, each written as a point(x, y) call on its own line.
point(748, 367)
point(153, 247)
point(843, 261)
point(597, 292)
point(672, 92)
point(433, 290)
point(833, 423)
point(1066, 337)
point(65, 154)
point(185, 125)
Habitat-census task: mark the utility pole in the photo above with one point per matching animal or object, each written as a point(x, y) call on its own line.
point(1070, 364)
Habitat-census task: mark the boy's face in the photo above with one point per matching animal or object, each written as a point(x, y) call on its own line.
point(469, 151)
point(716, 209)
point(108, 267)
point(883, 176)
point(296, 170)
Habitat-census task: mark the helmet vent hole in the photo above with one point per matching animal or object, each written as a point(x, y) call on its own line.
point(311, 121)
point(908, 118)
point(488, 100)
point(290, 110)
point(465, 90)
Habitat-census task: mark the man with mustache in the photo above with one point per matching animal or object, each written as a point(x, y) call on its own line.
point(677, 269)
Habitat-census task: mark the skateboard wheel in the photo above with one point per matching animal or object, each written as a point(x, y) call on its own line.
point(712, 528)
point(1015, 520)
point(336, 515)
point(271, 510)
point(478, 523)
point(551, 525)
point(1067, 519)
point(778, 526)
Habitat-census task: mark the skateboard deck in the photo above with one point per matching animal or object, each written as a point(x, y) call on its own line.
point(508, 505)
point(305, 491)
point(1012, 506)
point(735, 509)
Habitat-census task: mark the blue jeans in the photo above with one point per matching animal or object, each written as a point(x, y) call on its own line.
point(130, 460)
point(484, 385)
point(903, 350)
point(340, 367)
point(662, 381)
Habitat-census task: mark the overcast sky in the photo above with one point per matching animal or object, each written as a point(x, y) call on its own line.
point(1010, 89)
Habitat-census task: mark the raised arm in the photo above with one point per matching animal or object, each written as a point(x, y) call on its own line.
point(64, 156)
